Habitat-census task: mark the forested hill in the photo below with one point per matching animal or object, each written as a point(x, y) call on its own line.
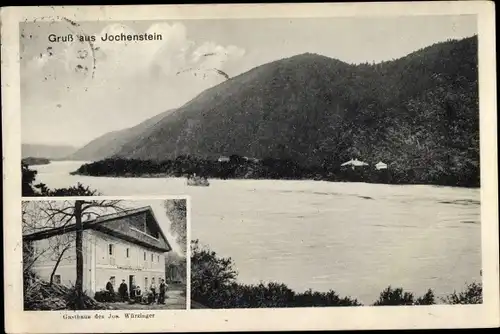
point(419, 114)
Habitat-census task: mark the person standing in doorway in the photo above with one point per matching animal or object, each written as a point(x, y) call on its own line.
point(123, 290)
point(163, 290)
point(153, 290)
point(110, 288)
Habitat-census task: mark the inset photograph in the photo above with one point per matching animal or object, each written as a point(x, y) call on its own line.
point(101, 253)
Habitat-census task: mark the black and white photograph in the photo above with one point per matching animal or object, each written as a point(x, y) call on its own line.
point(104, 254)
point(247, 167)
point(333, 169)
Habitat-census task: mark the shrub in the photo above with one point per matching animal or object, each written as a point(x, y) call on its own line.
point(104, 296)
point(213, 284)
point(473, 294)
point(396, 296)
point(41, 189)
point(427, 299)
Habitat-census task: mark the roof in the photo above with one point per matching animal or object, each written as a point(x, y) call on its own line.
point(354, 162)
point(108, 224)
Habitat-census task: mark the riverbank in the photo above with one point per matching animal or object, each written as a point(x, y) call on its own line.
point(32, 161)
point(214, 284)
point(340, 237)
point(273, 169)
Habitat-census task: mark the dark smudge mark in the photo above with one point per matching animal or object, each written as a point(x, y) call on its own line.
point(81, 69)
point(82, 54)
point(224, 74)
point(462, 202)
point(73, 23)
point(365, 197)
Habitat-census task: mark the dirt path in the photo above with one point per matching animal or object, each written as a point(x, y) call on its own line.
point(175, 300)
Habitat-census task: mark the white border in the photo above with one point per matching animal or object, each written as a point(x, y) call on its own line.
point(439, 316)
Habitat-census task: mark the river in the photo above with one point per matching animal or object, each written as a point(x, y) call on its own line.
point(354, 238)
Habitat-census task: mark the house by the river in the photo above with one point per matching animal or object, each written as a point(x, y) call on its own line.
point(381, 165)
point(127, 245)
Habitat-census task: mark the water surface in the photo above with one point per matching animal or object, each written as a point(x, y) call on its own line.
point(354, 238)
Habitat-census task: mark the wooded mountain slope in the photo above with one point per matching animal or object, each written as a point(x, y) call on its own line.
point(419, 113)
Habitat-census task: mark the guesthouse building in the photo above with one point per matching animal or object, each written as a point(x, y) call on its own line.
point(129, 245)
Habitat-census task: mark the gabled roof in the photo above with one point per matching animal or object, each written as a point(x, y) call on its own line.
point(110, 224)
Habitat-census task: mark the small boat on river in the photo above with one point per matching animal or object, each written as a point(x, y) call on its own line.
point(200, 181)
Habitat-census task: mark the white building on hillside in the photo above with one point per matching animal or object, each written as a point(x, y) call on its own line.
point(380, 165)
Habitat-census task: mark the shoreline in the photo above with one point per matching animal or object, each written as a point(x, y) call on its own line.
point(165, 175)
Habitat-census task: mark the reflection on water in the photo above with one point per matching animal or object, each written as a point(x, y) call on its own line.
point(354, 238)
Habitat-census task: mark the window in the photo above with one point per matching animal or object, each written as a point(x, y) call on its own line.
point(111, 252)
point(145, 283)
point(144, 256)
point(158, 258)
point(128, 252)
point(152, 257)
point(57, 279)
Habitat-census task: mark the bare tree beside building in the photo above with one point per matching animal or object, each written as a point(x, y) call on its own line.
point(44, 215)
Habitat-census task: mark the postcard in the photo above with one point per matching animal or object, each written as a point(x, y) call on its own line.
point(250, 167)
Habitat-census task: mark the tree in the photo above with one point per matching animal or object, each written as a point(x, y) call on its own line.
point(52, 214)
point(40, 189)
point(214, 284)
point(427, 299)
point(211, 276)
point(28, 177)
point(473, 294)
point(177, 214)
point(398, 296)
point(34, 219)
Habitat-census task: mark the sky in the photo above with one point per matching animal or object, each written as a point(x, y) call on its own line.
point(73, 92)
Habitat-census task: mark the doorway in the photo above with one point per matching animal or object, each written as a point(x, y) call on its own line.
point(131, 283)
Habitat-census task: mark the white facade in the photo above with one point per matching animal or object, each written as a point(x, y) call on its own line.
point(104, 256)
